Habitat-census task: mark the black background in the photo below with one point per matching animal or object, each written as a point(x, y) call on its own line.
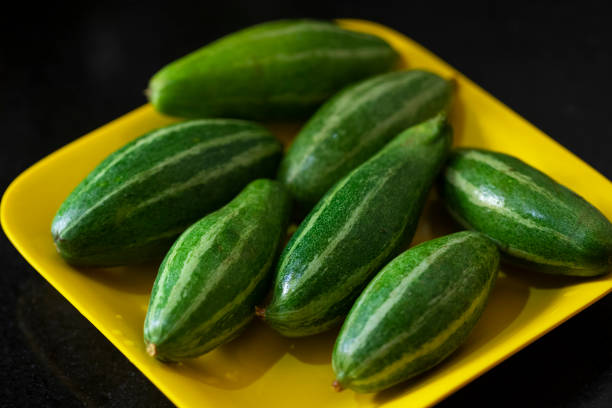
point(68, 69)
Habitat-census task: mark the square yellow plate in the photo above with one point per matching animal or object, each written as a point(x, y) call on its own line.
point(261, 368)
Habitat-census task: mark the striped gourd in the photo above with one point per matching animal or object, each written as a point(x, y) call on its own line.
point(133, 205)
point(354, 229)
point(276, 70)
point(415, 312)
point(353, 125)
point(536, 222)
point(215, 273)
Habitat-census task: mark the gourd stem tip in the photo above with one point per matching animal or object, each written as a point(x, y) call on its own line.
point(260, 312)
point(152, 349)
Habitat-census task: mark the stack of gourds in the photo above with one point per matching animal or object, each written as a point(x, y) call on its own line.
point(201, 193)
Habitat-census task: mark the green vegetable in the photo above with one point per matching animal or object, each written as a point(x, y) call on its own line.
point(277, 70)
point(215, 274)
point(357, 123)
point(139, 199)
point(354, 230)
point(537, 222)
point(415, 312)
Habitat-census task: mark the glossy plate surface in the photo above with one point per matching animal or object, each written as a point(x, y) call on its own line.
point(261, 368)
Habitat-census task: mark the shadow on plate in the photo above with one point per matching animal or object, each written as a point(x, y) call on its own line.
point(315, 350)
point(541, 280)
point(285, 132)
point(435, 221)
point(240, 362)
point(133, 279)
point(505, 304)
point(244, 360)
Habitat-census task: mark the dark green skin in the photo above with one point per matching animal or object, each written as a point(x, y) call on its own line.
point(355, 124)
point(440, 306)
point(112, 233)
point(279, 70)
point(571, 236)
point(246, 235)
point(385, 196)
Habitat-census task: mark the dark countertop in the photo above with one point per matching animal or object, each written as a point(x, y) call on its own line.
point(67, 70)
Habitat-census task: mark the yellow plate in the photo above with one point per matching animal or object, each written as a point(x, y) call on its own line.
point(260, 367)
